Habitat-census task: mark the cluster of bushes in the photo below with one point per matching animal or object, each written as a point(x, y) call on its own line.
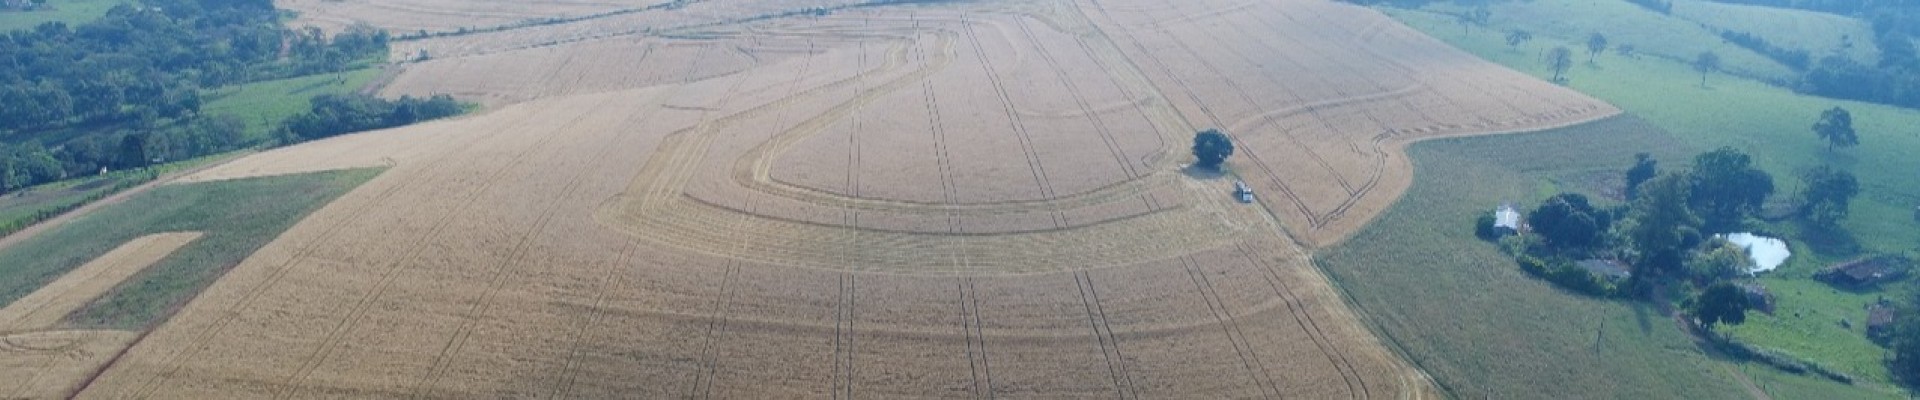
point(1797, 59)
point(1568, 276)
point(337, 114)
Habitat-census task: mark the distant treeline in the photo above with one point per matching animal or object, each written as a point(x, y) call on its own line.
point(1845, 7)
point(1894, 79)
point(1797, 59)
point(125, 90)
point(31, 163)
point(150, 60)
point(338, 114)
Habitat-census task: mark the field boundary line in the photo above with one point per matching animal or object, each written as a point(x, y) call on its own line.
point(1355, 382)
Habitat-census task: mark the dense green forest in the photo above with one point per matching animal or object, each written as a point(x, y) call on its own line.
point(125, 90)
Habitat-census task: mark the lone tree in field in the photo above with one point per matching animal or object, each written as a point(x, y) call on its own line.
point(1596, 44)
point(1825, 194)
point(1705, 63)
point(1722, 303)
point(1559, 59)
point(1517, 36)
point(1836, 126)
point(1211, 148)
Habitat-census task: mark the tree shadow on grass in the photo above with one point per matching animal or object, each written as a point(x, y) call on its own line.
point(1641, 314)
point(1829, 241)
point(1203, 173)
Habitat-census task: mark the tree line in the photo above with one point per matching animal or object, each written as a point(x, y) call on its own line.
point(151, 59)
point(31, 163)
point(125, 90)
point(1894, 79)
point(338, 114)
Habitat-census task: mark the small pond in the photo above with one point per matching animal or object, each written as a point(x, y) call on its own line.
point(1767, 253)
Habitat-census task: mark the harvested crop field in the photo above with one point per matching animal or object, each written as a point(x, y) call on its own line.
point(762, 200)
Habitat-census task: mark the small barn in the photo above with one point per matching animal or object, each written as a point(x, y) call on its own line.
point(1863, 272)
point(1758, 297)
point(1880, 320)
point(1507, 217)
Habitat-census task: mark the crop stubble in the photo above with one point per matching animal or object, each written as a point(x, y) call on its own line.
point(957, 200)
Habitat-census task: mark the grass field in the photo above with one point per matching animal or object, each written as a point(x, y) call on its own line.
point(71, 12)
point(22, 208)
point(1569, 22)
point(262, 105)
point(1773, 124)
point(238, 216)
point(1820, 34)
point(1468, 316)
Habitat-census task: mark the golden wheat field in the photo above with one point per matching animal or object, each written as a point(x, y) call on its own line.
point(815, 198)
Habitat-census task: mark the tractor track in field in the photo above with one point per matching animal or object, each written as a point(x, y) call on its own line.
point(484, 302)
point(1236, 338)
point(978, 362)
point(624, 234)
point(1103, 333)
point(203, 339)
point(1356, 384)
point(291, 386)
